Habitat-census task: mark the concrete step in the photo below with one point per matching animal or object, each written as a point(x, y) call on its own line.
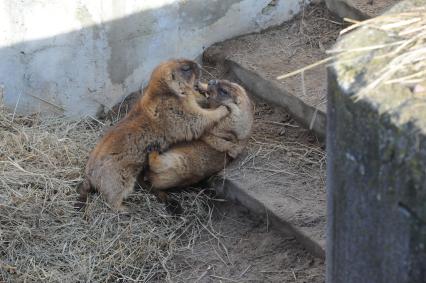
point(303, 217)
point(258, 59)
point(281, 176)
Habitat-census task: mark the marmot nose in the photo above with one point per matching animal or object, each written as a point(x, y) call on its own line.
point(212, 82)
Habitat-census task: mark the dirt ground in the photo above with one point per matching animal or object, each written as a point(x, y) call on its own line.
point(284, 169)
point(246, 250)
point(284, 165)
point(289, 47)
point(43, 238)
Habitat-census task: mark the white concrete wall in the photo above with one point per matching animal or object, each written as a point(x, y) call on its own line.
point(72, 57)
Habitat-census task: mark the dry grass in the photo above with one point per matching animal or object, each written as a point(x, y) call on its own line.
point(404, 51)
point(280, 149)
point(317, 27)
point(277, 148)
point(43, 239)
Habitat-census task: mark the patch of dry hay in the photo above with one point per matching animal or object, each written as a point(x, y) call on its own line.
point(281, 154)
point(404, 50)
point(42, 238)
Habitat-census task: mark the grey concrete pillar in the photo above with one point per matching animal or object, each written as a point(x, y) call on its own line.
point(376, 170)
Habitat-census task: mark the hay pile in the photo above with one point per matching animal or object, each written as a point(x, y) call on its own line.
point(282, 158)
point(404, 49)
point(42, 238)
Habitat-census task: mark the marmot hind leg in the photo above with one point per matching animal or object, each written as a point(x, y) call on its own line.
point(84, 189)
point(116, 188)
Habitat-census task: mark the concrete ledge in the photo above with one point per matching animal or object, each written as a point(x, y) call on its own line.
point(309, 231)
point(256, 60)
point(308, 116)
point(234, 191)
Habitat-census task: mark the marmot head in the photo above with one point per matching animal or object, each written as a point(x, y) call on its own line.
point(175, 77)
point(223, 92)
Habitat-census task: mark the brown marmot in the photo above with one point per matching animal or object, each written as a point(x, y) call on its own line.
point(166, 114)
point(190, 162)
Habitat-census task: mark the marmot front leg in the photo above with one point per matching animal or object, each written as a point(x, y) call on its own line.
point(205, 118)
point(210, 115)
point(233, 149)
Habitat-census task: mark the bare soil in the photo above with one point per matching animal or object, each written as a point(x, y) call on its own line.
point(247, 250)
point(289, 47)
point(284, 168)
point(284, 165)
point(42, 237)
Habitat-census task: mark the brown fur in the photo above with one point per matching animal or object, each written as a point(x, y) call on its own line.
point(166, 114)
point(189, 163)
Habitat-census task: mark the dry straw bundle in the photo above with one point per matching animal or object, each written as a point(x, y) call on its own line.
point(403, 50)
point(42, 238)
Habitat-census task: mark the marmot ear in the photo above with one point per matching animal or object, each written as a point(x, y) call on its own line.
point(237, 100)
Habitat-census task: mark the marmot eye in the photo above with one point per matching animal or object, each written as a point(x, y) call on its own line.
point(222, 92)
point(186, 68)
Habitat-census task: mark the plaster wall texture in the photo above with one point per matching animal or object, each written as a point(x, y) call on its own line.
point(78, 57)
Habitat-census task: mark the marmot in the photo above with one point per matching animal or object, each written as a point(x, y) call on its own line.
point(188, 163)
point(166, 114)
